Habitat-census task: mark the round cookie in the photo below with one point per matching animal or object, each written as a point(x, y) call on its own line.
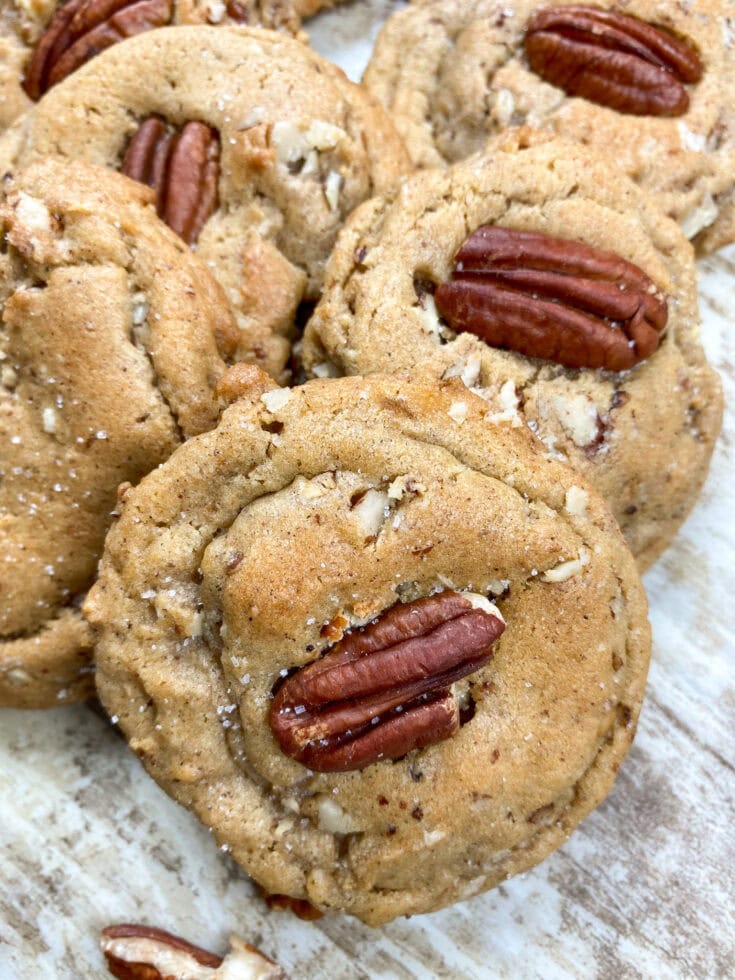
point(644, 435)
point(35, 39)
point(108, 359)
point(296, 147)
point(338, 502)
point(453, 72)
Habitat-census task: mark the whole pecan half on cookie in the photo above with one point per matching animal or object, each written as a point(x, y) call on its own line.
point(553, 298)
point(80, 29)
point(385, 690)
point(612, 59)
point(135, 952)
point(183, 169)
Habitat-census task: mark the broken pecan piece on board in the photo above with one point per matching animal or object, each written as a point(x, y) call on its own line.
point(80, 29)
point(612, 59)
point(182, 168)
point(300, 907)
point(553, 298)
point(386, 689)
point(135, 952)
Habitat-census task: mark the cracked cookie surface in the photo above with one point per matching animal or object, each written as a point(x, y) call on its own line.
point(337, 501)
point(299, 147)
point(454, 72)
point(643, 436)
point(108, 358)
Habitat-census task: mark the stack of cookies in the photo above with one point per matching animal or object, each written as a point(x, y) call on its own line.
point(331, 457)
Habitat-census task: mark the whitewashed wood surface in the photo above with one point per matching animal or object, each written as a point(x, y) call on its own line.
point(643, 889)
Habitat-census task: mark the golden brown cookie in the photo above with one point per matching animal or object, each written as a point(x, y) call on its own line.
point(394, 659)
point(44, 42)
point(261, 145)
point(649, 83)
point(108, 359)
point(631, 404)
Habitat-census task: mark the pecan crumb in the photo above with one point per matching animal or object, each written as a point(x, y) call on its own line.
point(300, 907)
point(234, 560)
point(538, 816)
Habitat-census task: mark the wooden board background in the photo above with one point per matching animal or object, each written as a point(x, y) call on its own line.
point(643, 889)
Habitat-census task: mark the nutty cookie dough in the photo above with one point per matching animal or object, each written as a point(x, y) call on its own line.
point(268, 147)
point(108, 359)
point(458, 737)
point(453, 72)
point(642, 432)
point(44, 42)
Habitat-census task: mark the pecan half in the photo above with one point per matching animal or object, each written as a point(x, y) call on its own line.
point(553, 298)
point(135, 952)
point(81, 29)
point(612, 59)
point(385, 690)
point(183, 169)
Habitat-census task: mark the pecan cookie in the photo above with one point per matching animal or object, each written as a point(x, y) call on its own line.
point(393, 660)
point(44, 42)
point(548, 282)
point(257, 147)
point(650, 83)
point(108, 358)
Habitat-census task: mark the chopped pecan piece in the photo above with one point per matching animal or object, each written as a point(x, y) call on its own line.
point(237, 12)
point(81, 29)
point(300, 907)
point(183, 169)
point(385, 690)
point(612, 59)
point(135, 952)
point(553, 298)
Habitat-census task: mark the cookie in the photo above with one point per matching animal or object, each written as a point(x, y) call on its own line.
point(108, 359)
point(43, 43)
point(640, 421)
point(255, 143)
point(393, 660)
point(657, 95)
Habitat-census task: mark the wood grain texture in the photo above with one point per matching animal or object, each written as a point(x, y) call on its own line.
point(643, 889)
